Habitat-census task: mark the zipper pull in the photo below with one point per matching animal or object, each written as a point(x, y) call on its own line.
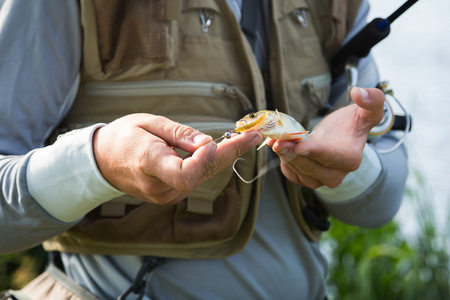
point(234, 93)
point(300, 15)
point(206, 18)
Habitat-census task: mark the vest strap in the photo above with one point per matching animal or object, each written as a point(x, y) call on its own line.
point(250, 19)
point(143, 276)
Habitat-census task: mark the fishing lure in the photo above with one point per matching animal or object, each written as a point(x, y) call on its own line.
point(272, 125)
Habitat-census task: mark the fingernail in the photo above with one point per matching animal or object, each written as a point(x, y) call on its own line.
point(364, 94)
point(201, 139)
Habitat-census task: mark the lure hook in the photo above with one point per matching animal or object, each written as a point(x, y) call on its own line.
point(272, 164)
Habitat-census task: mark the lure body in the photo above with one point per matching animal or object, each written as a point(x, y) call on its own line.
point(272, 125)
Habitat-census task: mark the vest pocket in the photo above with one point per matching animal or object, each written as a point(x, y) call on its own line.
point(181, 101)
point(126, 38)
point(305, 69)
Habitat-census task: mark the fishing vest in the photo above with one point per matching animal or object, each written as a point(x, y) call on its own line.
point(189, 61)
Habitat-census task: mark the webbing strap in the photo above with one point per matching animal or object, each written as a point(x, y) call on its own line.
point(69, 284)
point(143, 276)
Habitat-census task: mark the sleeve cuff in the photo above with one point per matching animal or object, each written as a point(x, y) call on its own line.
point(64, 179)
point(357, 182)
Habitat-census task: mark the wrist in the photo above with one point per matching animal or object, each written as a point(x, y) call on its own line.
point(64, 179)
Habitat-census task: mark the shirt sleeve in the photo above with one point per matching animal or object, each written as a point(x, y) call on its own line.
point(370, 196)
point(40, 45)
point(378, 204)
point(68, 196)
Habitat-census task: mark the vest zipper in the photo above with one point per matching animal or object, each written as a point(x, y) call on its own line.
point(167, 88)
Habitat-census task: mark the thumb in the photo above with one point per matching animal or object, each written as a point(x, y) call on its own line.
point(371, 104)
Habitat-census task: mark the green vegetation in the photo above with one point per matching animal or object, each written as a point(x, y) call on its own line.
point(383, 263)
point(18, 269)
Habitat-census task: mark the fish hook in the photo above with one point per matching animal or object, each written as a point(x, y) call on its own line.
point(272, 164)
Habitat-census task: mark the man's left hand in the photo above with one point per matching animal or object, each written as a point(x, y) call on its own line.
point(336, 145)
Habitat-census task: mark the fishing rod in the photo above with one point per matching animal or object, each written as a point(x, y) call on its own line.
point(361, 44)
point(347, 60)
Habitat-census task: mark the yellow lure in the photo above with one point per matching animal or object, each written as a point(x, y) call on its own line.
point(272, 125)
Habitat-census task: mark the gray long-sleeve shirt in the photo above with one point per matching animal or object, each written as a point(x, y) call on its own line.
point(40, 47)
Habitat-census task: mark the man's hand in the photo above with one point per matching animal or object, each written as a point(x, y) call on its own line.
point(336, 144)
point(136, 155)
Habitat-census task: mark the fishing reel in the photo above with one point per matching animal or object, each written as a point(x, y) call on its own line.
point(391, 120)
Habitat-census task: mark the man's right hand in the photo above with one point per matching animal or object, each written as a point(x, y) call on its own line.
point(136, 155)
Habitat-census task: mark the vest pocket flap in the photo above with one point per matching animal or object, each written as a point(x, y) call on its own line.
point(288, 7)
point(201, 4)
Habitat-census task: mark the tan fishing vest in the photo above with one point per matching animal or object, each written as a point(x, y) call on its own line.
point(155, 57)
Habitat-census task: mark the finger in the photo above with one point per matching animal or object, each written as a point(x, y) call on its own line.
point(156, 191)
point(175, 134)
point(333, 157)
point(312, 166)
point(184, 174)
point(300, 179)
point(296, 168)
point(207, 161)
point(230, 149)
point(285, 150)
point(328, 176)
point(372, 103)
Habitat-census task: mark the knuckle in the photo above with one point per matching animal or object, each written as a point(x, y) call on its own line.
point(311, 182)
point(143, 162)
point(184, 184)
point(354, 163)
point(309, 168)
point(334, 158)
point(160, 121)
point(335, 180)
point(150, 192)
point(165, 197)
point(238, 150)
point(211, 168)
point(333, 183)
point(157, 199)
point(180, 131)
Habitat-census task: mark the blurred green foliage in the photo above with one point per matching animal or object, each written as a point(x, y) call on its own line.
point(17, 269)
point(383, 264)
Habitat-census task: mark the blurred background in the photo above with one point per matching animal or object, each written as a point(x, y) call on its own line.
point(415, 59)
point(408, 258)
